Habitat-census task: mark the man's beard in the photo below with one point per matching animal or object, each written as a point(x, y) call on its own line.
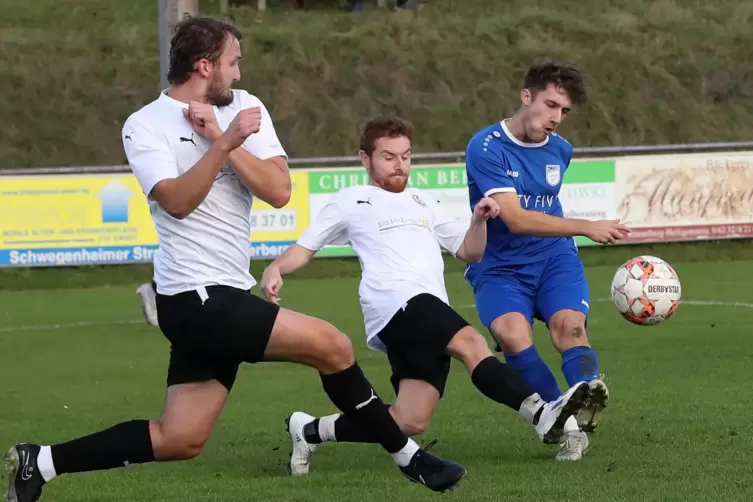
point(218, 95)
point(394, 183)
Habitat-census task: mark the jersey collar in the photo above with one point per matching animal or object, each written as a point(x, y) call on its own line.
point(173, 102)
point(515, 140)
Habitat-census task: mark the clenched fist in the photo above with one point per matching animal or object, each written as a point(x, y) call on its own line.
point(271, 283)
point(485, 209)
point(202, 119)
point(246, 123)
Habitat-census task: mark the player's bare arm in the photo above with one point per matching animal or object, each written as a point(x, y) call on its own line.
point(181, 195)
point(268, 179)
point(294, 258)
point(474, 244)
point(523, 221)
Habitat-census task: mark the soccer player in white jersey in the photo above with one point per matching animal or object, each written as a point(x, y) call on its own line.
point(398, 234)
point(201, 152)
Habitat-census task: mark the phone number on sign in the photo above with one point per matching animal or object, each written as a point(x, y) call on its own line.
point(273, 220)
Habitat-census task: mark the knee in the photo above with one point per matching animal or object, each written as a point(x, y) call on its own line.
point(335, 350)
point(178, 446)
point(568, 330)
point(513, 333)
point(415, 427)
point(468, 344)
point(412, 424)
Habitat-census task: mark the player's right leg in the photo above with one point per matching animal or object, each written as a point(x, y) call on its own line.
point(190, 413)
point(199, 379)
point(307, 340)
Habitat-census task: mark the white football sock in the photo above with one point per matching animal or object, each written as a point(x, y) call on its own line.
point(402, 458)
point(327, 428)
point(530, 406)
point(45, 465)
point(571, 425)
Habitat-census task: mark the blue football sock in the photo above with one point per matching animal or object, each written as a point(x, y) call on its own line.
point(529, 365)
point(580, 364)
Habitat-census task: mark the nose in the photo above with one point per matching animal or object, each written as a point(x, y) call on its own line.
point(401, 166)
point(556, 117)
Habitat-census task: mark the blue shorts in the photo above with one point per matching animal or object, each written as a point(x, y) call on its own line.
point(537, 290)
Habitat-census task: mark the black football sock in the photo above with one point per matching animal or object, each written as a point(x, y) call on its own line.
point(500, 383)
point(121, 445)
point(352, 393)
point(341, 428)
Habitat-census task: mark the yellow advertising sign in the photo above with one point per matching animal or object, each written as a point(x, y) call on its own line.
point(96, 219)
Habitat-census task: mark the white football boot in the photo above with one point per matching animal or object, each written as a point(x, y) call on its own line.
point(300, 458)
point(553, 416)
point(148, 303)
point(573, 447)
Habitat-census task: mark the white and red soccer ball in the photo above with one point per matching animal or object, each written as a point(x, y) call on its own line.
point(646, 290)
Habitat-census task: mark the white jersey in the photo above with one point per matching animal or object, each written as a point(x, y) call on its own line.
point(397, 237)
point(211, 245)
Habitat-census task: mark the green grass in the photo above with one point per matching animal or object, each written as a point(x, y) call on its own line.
point(659, 71)
point(678, 428)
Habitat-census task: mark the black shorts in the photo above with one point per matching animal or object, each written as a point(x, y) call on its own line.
point(210, 337)
point(416, 338)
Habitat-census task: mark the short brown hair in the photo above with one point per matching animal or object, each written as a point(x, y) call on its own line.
point(384, 127)
point(197, 38)
point(562, 75)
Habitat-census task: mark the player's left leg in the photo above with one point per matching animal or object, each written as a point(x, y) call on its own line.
point(563, 303)
point(412, 410)
point(501, 383)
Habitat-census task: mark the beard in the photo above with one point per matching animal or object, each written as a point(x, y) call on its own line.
point(395, 183)
point(218, 94)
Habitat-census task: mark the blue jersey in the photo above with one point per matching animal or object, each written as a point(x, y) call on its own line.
point(497, 162)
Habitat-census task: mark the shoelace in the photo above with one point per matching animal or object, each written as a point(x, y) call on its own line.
point(434, 463)
point(572, 442)
point(428, 446)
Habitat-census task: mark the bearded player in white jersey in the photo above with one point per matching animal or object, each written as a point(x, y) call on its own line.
point(202, 152)
point(398, 232)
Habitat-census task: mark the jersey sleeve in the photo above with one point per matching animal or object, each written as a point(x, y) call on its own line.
point(327, 228)
point(149, 157)
point(264, 144)
point(449, 231)
point(486, 167)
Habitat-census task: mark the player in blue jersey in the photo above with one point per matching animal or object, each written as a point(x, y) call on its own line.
point(531, 269)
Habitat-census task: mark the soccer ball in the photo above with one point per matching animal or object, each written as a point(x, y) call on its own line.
point(646, 290)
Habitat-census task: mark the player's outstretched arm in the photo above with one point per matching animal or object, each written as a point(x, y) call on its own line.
point(292, 259)
point(488, 170)
point(523, 221)
point(327, 228)
point(474, 244)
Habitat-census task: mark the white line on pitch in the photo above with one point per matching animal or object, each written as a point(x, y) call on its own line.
point(700, 303)
point(80, 324)
point(99, 324)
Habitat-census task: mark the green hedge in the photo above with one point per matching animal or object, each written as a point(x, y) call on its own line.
point(659, 71)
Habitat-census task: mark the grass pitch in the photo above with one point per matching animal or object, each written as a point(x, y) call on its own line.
point(74, 361)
